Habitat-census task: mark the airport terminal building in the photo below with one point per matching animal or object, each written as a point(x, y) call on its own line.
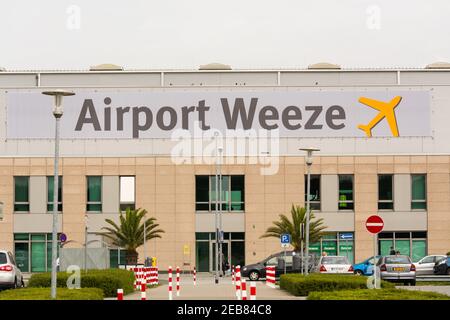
point(156, 139)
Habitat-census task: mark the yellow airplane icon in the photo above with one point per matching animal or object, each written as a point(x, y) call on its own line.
point(386, 111)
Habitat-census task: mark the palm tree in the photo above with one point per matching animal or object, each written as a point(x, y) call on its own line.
point(284, 225)
point(130, 233)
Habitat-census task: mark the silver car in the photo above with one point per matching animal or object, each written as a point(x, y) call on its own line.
point(426, 264)
point(397, 268)
point(10, 275)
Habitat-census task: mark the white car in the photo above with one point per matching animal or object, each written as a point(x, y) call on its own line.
point(426, 264)
point(334, 264)
point(10, 275)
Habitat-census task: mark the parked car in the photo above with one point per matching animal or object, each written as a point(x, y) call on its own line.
point(10, 275)
point(334, 264)
point(442, 266)
point(397, 268)
point(426, 264)
point(258, 270)
point(364, 268)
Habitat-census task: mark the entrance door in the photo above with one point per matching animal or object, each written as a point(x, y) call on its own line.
point(226, 248)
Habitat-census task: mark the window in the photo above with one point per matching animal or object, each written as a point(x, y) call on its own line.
point(346, 192)
point(50, 188)
point(385, 196)
point(94, 194)
point(412, 244)
point(33, 252)
point(127, 193)
point(418, 192)
point(314, 193)
point(232, 193)
point(21, 194)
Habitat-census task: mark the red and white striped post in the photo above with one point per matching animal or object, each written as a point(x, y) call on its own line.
point(195, 277)
point(270, 276)
point(119, 294)
point(232, 274)
point(143, 292)
point(178, 281)
point(170, 283)
point(252, 290)
point(238, 282)
point(243, 289)
point(156, 275)
point(135, 278)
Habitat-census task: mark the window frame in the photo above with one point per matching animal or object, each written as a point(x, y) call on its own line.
point(419, 200)
point(21, 202)
point(127, 204)
point(353, 193)
point(392, 191)
point(94, 202)
point(229, 203)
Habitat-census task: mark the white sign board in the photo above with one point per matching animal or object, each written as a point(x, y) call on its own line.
point(159, 114)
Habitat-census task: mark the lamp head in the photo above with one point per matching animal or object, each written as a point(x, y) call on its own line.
point(58, 94)
point(309, 152)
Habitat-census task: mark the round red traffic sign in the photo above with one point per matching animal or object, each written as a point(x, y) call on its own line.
point(374, 224)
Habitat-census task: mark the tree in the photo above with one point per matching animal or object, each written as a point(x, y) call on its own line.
point(285, 225)
point(130, 233)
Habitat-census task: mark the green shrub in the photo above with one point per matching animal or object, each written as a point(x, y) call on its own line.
point(300, 285)
point(108, 280)
point(44, 294)
point(380, 294)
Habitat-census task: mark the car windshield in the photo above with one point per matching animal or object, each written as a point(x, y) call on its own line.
point(3, 259)
point(335, 260)
point(398, 260)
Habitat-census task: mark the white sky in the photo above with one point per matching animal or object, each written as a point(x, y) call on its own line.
point(137, 34)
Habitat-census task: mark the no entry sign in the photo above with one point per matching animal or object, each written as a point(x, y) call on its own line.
point(374, 224)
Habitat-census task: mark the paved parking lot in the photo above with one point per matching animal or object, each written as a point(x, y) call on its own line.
point(206, 289)
point(437, 289)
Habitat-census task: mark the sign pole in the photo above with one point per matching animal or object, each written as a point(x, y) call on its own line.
point(284, 260)
point(374, 224)
point(374, 260)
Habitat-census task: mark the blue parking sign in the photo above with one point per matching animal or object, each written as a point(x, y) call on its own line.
point(285, 238)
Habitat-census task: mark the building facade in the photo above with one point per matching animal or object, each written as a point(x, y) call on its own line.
point(112, 159)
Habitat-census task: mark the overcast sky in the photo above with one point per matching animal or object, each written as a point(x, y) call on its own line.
point(146, 34)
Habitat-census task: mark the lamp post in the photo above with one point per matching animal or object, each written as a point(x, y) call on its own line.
point(309, 162)
point(220, 149)
point(145, 241)
point(57, 113)
point(216, 264)
point(86, 219)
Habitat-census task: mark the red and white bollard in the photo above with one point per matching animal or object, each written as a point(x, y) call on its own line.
point(156, 276)
point(238, 282)
point(252, 290)
point(195, 277)
point(270, 276)
point(170, 283)
point(143, 292)
point(178, 281)
point(119, 294)
point(232, 274)
point(243, 289)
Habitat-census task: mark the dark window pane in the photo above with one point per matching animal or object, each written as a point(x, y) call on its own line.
point(385, 205)
point(237, 253)
point(22, 207)
point(238, 235)
point(314, 194)
point(3, 258)
point(315, 206)
point(346, 206)
point(202, 206)
point(50, 189)
point(38, 237)
point(385, 187)
point(386, 235)
point(124, 206)
point(94, 207)
point(201, 236)
point(402, 235)
point(418, 187)
point(21, 189)
point(94, 189)
point(419, 205)
point(202, 188)
point(21, 236)
point(237, 188)
point(345, 187)
point(237, 207)
point(202, 256)
point(419, 234)
point(21, 253)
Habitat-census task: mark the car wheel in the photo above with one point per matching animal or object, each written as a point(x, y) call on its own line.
point(15, 286)
point(413, 282)
point(22, 283)
point(358, 273)
point(253, 275)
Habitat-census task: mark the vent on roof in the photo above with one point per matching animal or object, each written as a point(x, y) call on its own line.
point(106, 67)
point(2, 69)
point(215, 66)
point(324, 65)
point(438, 65)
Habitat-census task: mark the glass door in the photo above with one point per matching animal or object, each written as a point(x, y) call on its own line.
point(225, 251)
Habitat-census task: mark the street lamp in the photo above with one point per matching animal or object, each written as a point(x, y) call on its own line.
point(309, 162)
point(216, 269)
point(57, 113)
point(220, 149)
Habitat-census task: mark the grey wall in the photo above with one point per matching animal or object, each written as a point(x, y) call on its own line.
point(231, 222)
point(110, 194)
point(38, 194)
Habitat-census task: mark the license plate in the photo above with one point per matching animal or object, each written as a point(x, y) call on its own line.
point(399, 269)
